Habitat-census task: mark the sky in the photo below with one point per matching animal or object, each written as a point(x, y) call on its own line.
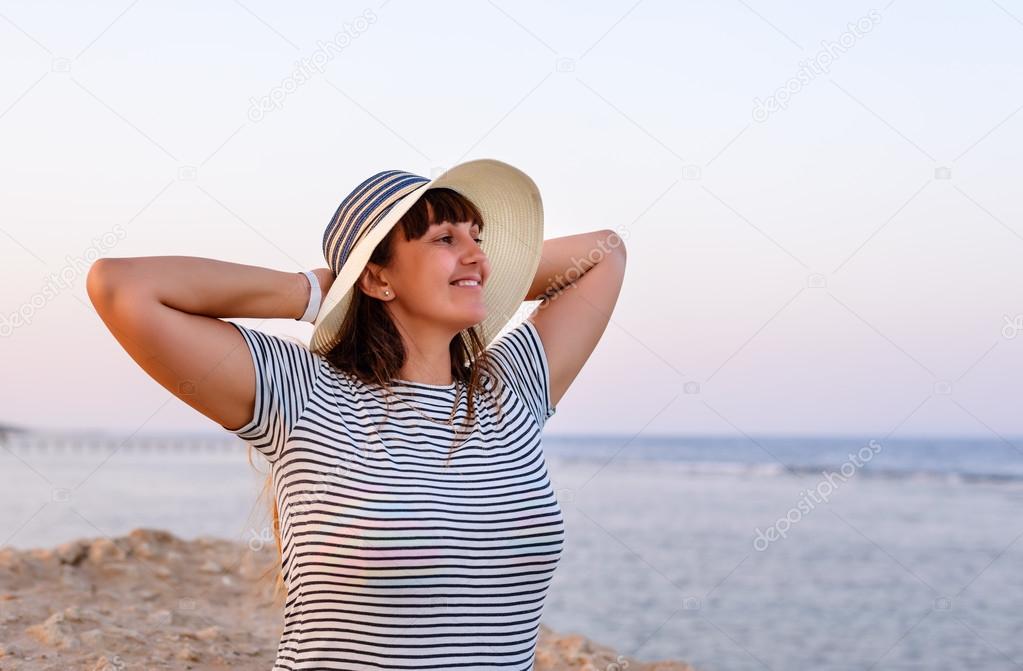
point(820, 200)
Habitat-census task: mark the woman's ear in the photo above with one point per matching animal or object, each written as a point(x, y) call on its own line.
point(369, 281)
point(365, 281)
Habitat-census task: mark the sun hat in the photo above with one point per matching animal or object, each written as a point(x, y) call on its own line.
point(512, 211)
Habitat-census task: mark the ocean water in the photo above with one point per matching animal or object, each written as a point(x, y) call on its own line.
point(760, 553)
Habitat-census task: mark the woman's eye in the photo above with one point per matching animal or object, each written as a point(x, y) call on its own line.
point(450, 237)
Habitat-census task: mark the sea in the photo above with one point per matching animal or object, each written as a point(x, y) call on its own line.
point(731, 554)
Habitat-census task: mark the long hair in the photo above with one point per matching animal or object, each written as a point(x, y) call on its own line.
point(370, 347)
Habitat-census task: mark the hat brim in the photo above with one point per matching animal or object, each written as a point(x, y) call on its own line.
point(512, 211)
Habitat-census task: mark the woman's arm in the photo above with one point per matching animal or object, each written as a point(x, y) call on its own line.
point(206, 287)
point(164, 311)
point(578, 280)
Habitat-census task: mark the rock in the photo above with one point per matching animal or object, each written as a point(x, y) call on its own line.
point(92, 638)
point(9, 618)
point(56, 632)
point(73, 552)
point(210, 566)
point(187, 653)
point(150, 543)
point(42, 555)
point(174, 618)
point(209, 634)
point(125, 634)
point(130, 569)
point(73, 578)
point(158, 536)
point(105, 663)
point(571, 646)
point(104, 549)
point(162, 617)
point(9, 560)
point(73, 613)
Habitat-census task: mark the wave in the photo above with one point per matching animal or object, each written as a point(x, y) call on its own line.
point(777, 470)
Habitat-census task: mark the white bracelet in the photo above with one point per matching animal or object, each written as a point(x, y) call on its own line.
point(315, 295)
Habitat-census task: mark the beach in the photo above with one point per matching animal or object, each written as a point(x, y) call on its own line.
point(151, 600)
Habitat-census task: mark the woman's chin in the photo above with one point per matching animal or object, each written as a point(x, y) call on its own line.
point(472, 318)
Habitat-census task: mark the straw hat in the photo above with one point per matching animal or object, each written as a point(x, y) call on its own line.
point(513, 223)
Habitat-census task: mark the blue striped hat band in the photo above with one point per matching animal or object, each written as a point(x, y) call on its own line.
point(362, 210)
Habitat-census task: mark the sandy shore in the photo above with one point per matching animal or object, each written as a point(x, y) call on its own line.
point(150, 600)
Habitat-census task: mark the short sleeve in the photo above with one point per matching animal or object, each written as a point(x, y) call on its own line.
point(285, 377)
point(521, 362)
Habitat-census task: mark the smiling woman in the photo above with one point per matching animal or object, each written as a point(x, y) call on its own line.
point(415, 520)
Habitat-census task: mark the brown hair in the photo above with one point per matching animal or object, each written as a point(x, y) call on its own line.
point(370, 347)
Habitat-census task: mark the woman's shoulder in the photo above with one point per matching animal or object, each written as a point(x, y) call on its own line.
point(289, 361)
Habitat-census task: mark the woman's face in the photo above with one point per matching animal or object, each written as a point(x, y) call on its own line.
point(423, 274)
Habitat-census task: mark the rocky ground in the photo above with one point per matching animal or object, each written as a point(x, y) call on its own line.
point(138, 602)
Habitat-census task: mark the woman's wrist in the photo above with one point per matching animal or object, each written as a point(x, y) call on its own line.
point(315, 296)
point(301, 290)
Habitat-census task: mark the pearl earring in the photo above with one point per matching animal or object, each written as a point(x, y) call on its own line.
point(387, 293)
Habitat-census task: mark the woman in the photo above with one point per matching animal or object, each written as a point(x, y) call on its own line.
point(418, 525)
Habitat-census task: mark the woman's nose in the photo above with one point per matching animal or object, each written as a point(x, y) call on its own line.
point(475, 250)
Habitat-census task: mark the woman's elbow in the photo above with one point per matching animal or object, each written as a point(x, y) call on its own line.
point(103, 280)
point(613, 241)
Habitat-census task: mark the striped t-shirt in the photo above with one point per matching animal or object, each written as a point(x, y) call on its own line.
point(392, 559)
